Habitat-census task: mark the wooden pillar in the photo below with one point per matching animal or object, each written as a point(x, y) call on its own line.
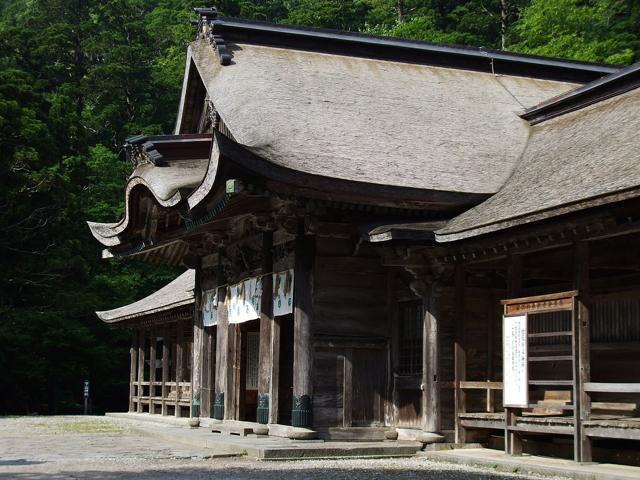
point(198, 345)
point(152, 368)
point(460, 354)
point(133, 354)
point(512, 439)
point(222, 360)
point(265, 362)
point(302, 412)
point(239, 371)
point(166, 372)
point(179, 358)
point(207, 351)
point(582, 364)
point(275, 371)
point(141, 348)
point(431, 361)
point(347, 396)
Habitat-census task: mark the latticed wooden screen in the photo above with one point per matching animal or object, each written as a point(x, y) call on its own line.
point(410, 320)
point(253, 345)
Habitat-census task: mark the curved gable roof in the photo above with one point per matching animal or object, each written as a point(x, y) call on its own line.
point(177, 293)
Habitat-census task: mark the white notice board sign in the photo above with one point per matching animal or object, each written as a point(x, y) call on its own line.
point(516, 369)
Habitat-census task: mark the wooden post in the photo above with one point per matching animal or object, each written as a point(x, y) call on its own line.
point(347, 395)
point(165, 368)
point(582, 364)
point(198, 345)
point(302, 412)
point(239, 372)
point(460, 354)
point(152, 369)
point(430, 362)
point(133, 353)
point(265, 362)
point(205, 401)
point(222, 371)
point(141, 347)
point(179, 365)
point(274, 384)
point(512, 439)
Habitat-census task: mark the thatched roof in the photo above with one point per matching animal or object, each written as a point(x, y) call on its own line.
point(168, 182)
point(176, 294)
point(584, 158)
point(373, 121)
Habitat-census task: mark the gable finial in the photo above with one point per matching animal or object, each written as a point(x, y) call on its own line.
point(208, 15)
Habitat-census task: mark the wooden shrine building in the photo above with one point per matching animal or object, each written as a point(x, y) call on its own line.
point(161, 348)
point(360, 212)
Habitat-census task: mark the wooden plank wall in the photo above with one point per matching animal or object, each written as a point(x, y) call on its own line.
point(350, 305)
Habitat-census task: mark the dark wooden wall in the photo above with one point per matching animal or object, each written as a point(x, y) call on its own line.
point(350, 335)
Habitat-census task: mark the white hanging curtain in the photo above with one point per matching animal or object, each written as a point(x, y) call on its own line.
point(210, 307)
point(283, 293)
point(244, 301)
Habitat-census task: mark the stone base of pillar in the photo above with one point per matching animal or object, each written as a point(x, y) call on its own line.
point(195, 405)
point(430, 437)
point(218, 406)
point(302, 414)
point(262, 412)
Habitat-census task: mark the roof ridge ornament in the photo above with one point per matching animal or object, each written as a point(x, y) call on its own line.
point(139, 151)
point(208, 16)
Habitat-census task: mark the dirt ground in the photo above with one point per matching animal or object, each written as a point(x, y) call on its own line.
point(55, 448)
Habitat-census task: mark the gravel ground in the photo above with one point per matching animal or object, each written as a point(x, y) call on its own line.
point(96, 447)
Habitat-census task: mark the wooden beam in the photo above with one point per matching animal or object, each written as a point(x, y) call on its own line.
point(347, 395)
point(265, 363)
point(460, 354)
point(513, 439)
point(239, 373)
point(179, 365)
point(301, 414)
point(582, 364)
point(198, 345)
point(206, 387)
point(275, 371)
point(133, 354)
point(166, 371)
point(222, 338)
point(490, 352)
point(431, 361)
point(595, 387)
point(152, 368)
point(141, 348)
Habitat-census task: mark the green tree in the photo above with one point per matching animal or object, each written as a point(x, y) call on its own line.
point(592, 30)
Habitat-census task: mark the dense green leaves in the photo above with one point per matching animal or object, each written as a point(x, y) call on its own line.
point(598, 30)
point(79, 76)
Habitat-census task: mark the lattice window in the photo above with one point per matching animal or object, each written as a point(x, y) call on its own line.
point(253, 345)
point(410, 333)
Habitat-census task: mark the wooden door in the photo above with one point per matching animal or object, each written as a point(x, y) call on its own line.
point(368, 370)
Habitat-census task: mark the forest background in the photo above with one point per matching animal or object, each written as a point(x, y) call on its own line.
point(79, 76)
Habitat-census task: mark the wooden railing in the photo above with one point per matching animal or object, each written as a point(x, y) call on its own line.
point(489, 386)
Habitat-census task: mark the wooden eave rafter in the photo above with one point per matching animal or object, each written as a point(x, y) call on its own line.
point(239, 206)
point(595, 225)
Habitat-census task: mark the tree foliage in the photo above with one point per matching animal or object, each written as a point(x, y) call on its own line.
point(79, 76)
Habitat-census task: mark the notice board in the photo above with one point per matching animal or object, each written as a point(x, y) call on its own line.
point(515, 358)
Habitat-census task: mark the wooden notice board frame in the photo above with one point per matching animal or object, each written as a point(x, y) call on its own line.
point(555, 302)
